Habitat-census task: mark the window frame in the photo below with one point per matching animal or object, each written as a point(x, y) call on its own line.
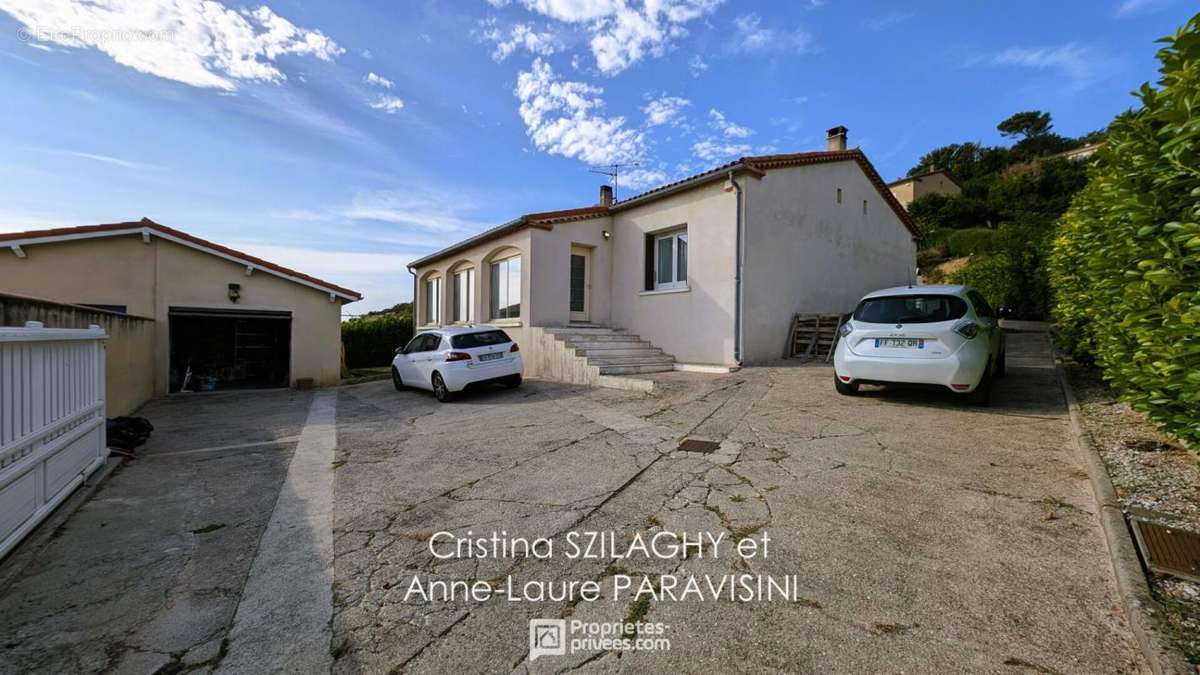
point(458, 315)
point(433, 305)
point(495, 311)
point(675, 282)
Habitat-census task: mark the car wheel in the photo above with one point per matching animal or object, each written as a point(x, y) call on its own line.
point(982, 395)
point(513, 381)
point(1001, 364)
point(396, 381)
point(845, 388)
point(440, 391)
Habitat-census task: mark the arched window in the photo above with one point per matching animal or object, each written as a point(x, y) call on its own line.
point(463, 293)
point(431, 300)
point(505, 285)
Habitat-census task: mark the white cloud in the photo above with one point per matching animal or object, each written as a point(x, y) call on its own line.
point(887, 20)
point(378, 81)
point(1080, 64)
point(640, 178)
point(712, 150)
point(729, 129)
point(326, 264)
point(388, 104)
point(201, 43)
point(519, 36)
point(1133, 7)
point(564, 118)
point(664, 110)
point(623, 33)
point(104, 159)
point(429, 211)
point(751, 37)
point(697, 65)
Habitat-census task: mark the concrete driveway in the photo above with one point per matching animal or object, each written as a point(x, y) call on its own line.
point(924, 536)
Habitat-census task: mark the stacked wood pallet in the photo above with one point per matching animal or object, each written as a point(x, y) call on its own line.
point(813, 336)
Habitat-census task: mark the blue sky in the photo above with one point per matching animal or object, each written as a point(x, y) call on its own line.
point(348, 138)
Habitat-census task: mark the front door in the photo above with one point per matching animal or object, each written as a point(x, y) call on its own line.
point(581, 283)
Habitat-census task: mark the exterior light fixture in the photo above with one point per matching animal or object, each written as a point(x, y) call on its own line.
point(606, 234)
point(235, 292)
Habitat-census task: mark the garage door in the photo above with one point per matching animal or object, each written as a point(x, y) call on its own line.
point(229, 349)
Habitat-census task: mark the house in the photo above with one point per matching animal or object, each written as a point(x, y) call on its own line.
point(934, 181)
point(226, 317)
point(706, 271)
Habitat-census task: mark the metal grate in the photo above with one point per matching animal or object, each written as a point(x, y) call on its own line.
point(1167, 550)
point(697, 445)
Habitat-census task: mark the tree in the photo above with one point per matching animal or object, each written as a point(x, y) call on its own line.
point(1028, 124)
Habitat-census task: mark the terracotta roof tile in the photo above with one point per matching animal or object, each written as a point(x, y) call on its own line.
point(145, 223)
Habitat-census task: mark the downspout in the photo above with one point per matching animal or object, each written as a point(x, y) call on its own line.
point(414, 299)
point(737, 276)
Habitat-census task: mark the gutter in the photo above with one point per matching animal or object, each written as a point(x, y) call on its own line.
point(737, 275)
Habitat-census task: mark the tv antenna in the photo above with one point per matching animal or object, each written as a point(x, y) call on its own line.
point(613, 171)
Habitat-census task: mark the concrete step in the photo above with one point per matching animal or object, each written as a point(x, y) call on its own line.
point(566, 330)
point(642, 349)
point(636, 370)
point(627, 343)
point(650, 359)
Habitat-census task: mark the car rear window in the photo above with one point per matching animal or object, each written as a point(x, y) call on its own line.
point(487, 337)
point(917, 308)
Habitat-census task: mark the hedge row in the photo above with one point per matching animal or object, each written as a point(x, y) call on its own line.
point(968, 241)
point(1126, 262)
point(371, 341)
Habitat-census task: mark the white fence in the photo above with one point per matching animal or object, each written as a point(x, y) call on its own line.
point(52, 433)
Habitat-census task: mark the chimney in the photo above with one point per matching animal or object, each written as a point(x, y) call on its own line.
point(835, 139)
point(606, 195)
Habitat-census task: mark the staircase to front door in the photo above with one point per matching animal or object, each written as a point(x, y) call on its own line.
point(614, 351)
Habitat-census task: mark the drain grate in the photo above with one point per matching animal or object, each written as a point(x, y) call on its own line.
point(697, 445)
point(1167, 550)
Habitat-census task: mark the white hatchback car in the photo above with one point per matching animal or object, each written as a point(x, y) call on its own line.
point(939, 335)
point(448, 360)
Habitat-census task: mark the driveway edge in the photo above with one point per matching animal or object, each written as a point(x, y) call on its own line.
point(26, 551)
point(1132, 586)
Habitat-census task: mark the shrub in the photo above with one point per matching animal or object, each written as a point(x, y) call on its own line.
point(371, 341)
point(959, 243)
point(1126, 261)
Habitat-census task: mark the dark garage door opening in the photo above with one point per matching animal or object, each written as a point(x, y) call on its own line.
point(229, 349)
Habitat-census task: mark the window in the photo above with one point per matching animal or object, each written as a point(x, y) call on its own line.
point(464, 296)
point(433, 301)
point(982, 308)
point(864, 207)
point(425, 342)
point(839, 195)
point(506, 288)
point(484, 339)
point(911, 309)
point(669, 263)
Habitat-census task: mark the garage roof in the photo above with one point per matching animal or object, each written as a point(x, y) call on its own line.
point(148, 228)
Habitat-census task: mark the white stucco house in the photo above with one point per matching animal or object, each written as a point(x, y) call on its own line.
point(708, 270)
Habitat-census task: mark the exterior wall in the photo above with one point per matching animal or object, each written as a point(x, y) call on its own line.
point(150, 278)
point(550, 287)
point(129, 350)
point(915, 188)
point(104, 271)
point(695, 324)
point(807, 253)
point(904, 192)
point(190, 278)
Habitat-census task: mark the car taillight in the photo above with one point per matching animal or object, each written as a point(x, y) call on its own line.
point(458, 356)
point(514, 348)
point(846, 329)
point(966, 329)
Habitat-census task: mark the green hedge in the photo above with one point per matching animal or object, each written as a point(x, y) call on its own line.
point(371, 341)
point(1126, 262)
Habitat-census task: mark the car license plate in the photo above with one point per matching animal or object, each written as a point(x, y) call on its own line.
point(491, 357)
point(900, 343)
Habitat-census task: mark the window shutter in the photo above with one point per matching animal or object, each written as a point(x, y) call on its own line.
point(649, 262)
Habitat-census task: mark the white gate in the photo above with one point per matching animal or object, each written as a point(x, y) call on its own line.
point(52, 433)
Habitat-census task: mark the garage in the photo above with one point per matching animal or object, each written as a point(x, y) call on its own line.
point(216, 348)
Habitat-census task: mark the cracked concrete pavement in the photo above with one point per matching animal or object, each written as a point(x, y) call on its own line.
point(926, 536)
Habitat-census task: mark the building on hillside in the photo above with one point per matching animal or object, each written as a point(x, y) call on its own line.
point(935, 181)
point(223, 318)
point(707, 270)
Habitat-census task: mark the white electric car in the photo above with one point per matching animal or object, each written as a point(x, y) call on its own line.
point(448, 360)
point(938, 335)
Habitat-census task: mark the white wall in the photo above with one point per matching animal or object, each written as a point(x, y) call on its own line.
point(807, 253)
point(550, 281)
point(696, 325)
